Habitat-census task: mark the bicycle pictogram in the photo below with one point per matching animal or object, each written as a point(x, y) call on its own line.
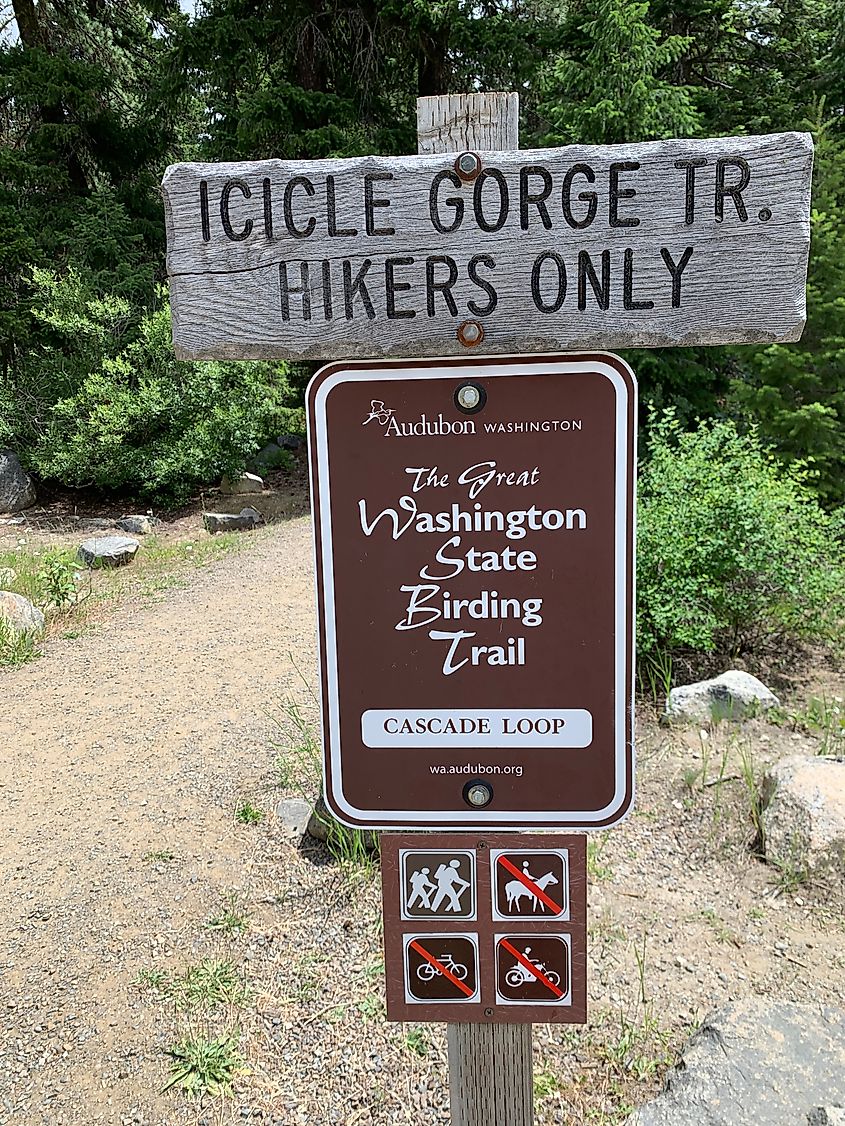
point(427, 971)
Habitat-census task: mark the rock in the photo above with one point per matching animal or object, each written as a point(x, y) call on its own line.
point(293, 815)
point(108, 551)
point(95, 524)
point(803, 802)
point(17, 489)
point(268, 457)
point(754, 1063)
point(733, 695)
point(246, 483)
point(290, 441)
point(19, 613)
point(322, 821)
point(243, 521)
point(827, 1116)
point(137, 525)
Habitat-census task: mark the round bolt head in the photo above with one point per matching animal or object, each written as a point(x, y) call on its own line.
point(468, 165)
point(469, 397)
point(479, 795)
point(470, 333)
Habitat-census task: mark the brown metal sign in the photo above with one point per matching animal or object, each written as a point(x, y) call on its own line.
point(448, 954)
point(473, 535)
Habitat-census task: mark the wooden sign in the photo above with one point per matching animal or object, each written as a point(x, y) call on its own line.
point(450, 952)
point(473, 532)
point(665, 243)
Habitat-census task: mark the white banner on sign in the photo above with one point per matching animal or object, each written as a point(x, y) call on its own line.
point(484, 728)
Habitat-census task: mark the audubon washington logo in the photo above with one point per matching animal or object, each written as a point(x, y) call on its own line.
point(393, 428)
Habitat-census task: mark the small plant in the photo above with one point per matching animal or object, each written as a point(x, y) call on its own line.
point(248, 814)
point(58, 587)
point(654, 670)
point(150, 978)
point(210, 982)
point(545, 1083)
point(748, 773)
point(720, 928)
point(356, 850)
point(16, 648)
point(596, 868)
point(417, 1042)
point(161, 856)
point(372, 1007)
point(232, 919)
point(200, 1066)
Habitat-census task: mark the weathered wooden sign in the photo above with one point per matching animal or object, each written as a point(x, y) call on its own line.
point(473, 532)
point(485, 929)
point(664, 243)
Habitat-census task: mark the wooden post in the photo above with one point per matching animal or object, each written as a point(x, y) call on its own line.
point(490, 1065)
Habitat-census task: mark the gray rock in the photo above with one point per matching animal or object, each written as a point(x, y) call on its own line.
point(293, 815)
point(108, 551)
point(17, 489)
point(95, 523)
point(137, 525)
point(246, 483)
point(289, 441)
point(826, 1116)
point(322, 822)
point(268, 457)
point(754, 1063)
point(803, 802)
point(242, 521)
point(19, 613)
point(733, 695)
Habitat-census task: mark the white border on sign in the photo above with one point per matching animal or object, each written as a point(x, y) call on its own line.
point(387, 818)
point(453, 853)
point(410, 999)
point(546, 916)
point(566, 939)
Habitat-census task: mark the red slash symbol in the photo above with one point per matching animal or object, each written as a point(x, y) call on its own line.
point(529, 965)
point(535, 889)
point(447, 973)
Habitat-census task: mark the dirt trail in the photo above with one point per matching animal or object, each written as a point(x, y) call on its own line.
point(129, 741)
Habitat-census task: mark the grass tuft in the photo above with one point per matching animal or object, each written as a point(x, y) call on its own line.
point(200, 1066)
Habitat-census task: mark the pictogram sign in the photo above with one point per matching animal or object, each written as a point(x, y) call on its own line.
point(441, 967)
point(530, 884)
point(485, 928)
point(533, 968)
point(438, 884)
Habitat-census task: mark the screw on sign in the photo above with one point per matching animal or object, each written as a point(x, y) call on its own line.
point(533, 883)
point(437, 884)
point(442, 967)
point(533, 968)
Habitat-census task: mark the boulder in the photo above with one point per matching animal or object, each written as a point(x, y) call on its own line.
point(268, 457)
point(137, 525)
point(293, 815)
point(19, 613)
point(733, 695)
point(754, 1063)
point(242, 521)
point(246, 483)
point(290, 441)
point(321, 821)
point(827, 1116)
point(17, 489)
point(803, 802)
point(108, 551)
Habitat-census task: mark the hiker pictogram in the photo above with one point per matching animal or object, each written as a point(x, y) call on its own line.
point(441, 967)
point(437, 884)
point(531, 884)
point(531, 968)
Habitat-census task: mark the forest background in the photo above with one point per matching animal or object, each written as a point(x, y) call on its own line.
point(98, 96)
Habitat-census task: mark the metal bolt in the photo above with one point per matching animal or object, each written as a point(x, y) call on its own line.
point(468, 165)
point(488, 1012)
point(479, 795)
point(469, 396)
point(470, 333)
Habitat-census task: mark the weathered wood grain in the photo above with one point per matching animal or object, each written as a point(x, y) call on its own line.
point(744, 280)
point(490, 1074)
point(479, 122)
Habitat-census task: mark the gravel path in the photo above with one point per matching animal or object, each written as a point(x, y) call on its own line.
point(136, 739)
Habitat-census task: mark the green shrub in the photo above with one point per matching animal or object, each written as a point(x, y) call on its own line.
point(104, 402)
point(734, 551)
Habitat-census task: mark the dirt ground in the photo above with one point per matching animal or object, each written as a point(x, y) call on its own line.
point(126, 754)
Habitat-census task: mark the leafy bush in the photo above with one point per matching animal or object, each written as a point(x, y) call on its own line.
point(104, 402)
point(734, 550)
